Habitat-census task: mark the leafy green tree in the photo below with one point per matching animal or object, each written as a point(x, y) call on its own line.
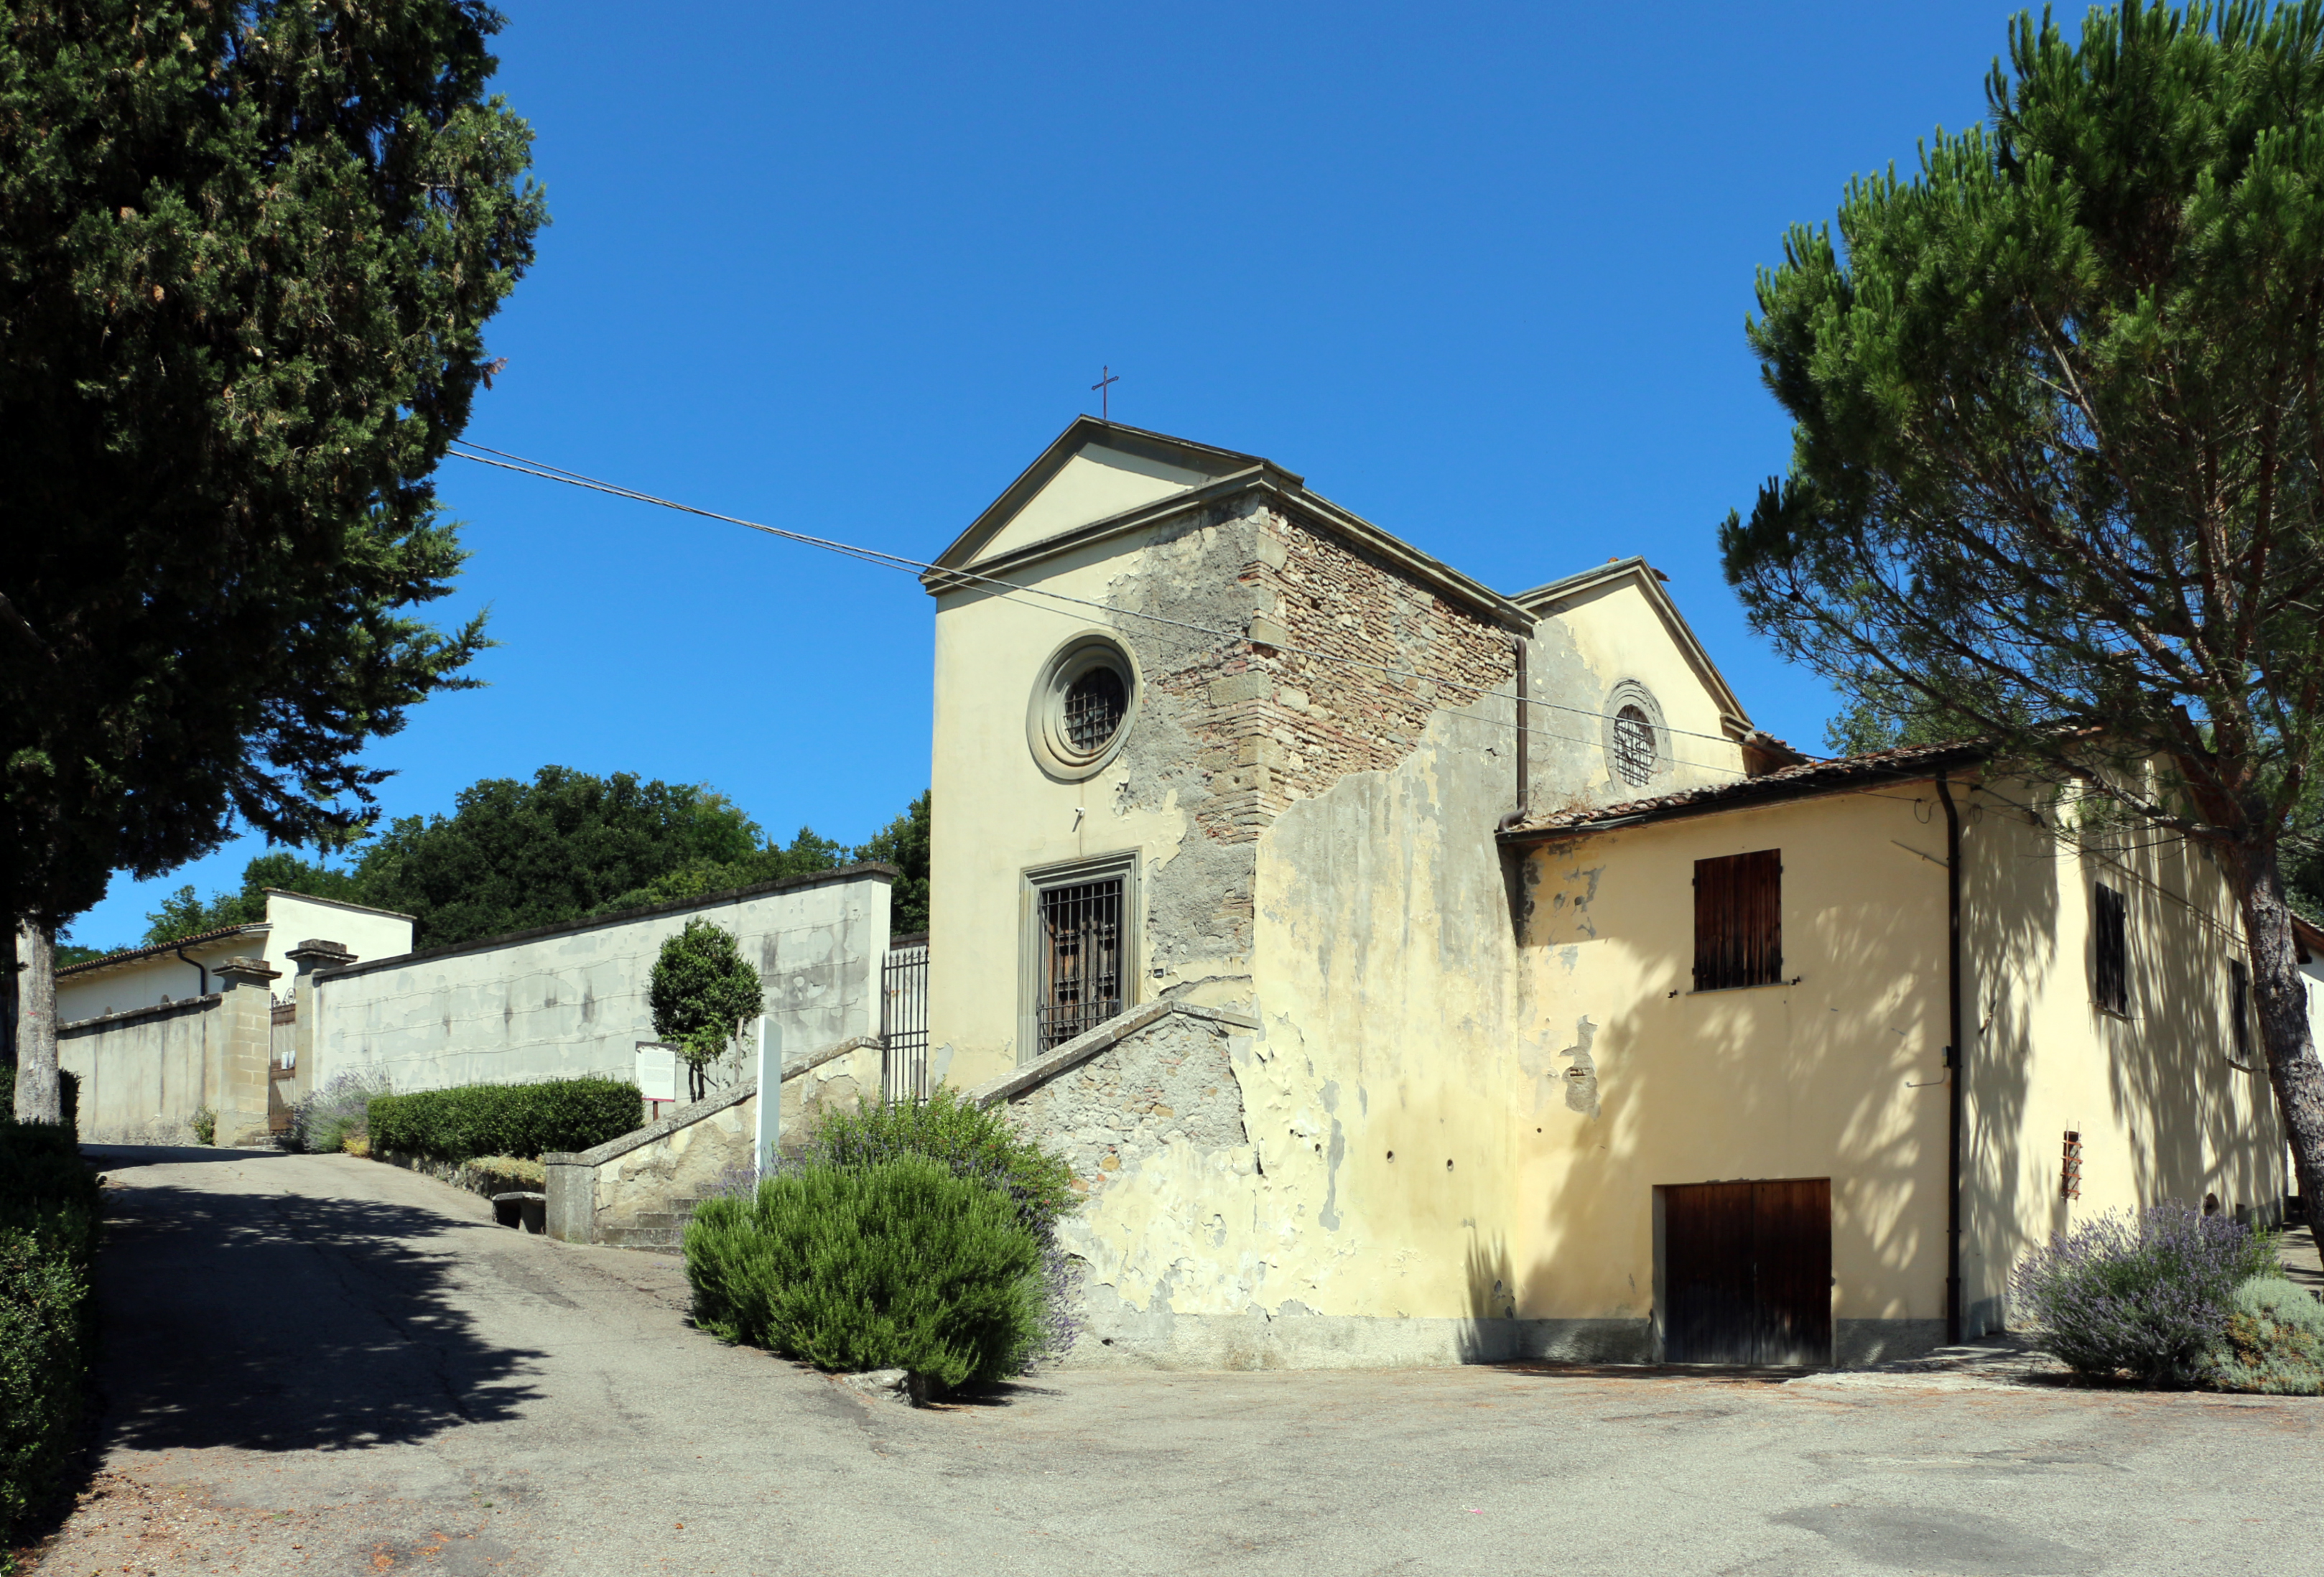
point(903, 843)
point(702, 993)
point(246, 256)
point(567, 844)
point(183, 914)
point(2059, 446)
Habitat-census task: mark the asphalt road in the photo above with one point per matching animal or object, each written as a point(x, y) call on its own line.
point(326, 1365)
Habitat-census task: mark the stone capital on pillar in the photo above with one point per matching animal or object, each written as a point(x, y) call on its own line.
point(315, 953)
point(238, 972)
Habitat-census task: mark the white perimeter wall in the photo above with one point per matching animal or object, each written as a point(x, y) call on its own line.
point(571, 1000)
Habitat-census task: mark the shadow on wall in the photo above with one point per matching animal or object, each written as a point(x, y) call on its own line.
point(1839, 1076)
point(280, 1322)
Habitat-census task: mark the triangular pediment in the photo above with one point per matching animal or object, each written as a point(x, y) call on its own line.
point(1095, 471)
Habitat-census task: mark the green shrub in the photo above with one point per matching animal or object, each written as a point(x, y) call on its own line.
point(971, 1141)
point(505, 1120)
point(2274, 1340)
point(204, 1122)
point(2146, 1294)
point(897, 1265)
point(68, 1095)
point(49, 1218)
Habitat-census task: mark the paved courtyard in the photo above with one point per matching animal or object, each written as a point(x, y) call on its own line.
point(325, 1365)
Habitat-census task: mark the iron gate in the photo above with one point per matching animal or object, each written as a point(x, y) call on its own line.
point(904, 1021)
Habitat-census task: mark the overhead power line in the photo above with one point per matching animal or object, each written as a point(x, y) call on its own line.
point(502, 459)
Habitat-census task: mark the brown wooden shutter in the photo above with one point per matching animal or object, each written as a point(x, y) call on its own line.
point(2112, 951)
point(1739, 920)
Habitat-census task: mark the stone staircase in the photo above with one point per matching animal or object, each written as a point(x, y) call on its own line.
point(658, 1232)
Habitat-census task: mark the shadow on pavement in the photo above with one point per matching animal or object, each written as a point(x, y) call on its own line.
point(121, 1157)
point(281, 1322)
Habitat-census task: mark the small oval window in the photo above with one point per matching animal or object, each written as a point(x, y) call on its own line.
point(1634, 746)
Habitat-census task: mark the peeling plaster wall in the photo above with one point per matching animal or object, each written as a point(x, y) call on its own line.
point(573, 1001)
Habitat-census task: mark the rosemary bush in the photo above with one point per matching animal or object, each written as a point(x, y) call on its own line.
point(897, 1264)
point(2147, 1295)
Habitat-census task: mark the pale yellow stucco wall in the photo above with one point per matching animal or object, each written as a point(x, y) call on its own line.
point(1001, 814)
point(1810, 1078)
point(1817, 1078)
point(1589, 646)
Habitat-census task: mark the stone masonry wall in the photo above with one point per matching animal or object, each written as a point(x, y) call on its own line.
point(1170, 1083)
point(1237, 731)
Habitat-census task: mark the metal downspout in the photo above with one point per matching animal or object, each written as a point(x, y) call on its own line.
point(1525, 735)
point(1956, 1066)
point(199, 968)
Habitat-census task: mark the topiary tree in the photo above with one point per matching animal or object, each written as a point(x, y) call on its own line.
point(703, 993)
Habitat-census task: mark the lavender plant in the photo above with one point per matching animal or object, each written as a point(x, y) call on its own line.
point(2147, 1293)
point(325, 1119)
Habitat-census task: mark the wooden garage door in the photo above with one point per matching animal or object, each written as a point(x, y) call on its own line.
point(1747, 1272)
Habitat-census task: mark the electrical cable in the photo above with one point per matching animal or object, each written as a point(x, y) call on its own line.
point(880, 558)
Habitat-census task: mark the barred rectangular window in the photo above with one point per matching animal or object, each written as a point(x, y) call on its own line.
point(2110, 952)
point(1080, 973)
point(1739, 920)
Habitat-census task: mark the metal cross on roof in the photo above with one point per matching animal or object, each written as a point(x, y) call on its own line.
point(1105, 376)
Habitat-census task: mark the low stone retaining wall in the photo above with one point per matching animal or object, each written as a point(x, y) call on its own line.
point(635, 1190)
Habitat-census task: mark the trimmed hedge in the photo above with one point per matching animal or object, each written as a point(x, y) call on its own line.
point(506, 1120)
point(897, 1265)
point(49, 1221)
point(68, 1095)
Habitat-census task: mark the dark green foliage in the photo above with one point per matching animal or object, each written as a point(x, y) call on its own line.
point(969, 1140)
point(563, 847)
point(898, 1265)
point(68, 1095)
point(246, 256)
point(2274, 1340)
point(524, 1120)
point(2057, 466)
point(567, 844)
point(903, 843)
point(702, 992)
point(49, 1223)
point(182, 914)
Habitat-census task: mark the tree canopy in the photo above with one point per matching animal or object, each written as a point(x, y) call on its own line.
point(568, 844)
point(248, 252)
point(2058, 443)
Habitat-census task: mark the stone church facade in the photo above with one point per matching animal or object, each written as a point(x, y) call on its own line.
point(1276, 875)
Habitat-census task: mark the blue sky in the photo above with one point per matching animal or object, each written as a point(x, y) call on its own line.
point(1480, 272)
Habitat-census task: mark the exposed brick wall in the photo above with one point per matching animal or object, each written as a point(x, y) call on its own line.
point(1276, 725)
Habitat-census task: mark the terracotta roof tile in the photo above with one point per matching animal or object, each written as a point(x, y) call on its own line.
point(1809, 777)
point(130, 955)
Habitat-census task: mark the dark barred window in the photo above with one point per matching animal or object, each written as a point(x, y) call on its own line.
point(1094, 708)
point(1081, 960)
point(1634, 746)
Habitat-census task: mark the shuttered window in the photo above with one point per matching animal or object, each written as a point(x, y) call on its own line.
point(2110, 961)
point(1739, 920)
point(2240, 1007)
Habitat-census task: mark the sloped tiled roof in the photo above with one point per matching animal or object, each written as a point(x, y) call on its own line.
point(1800, 782)
point(160, 949)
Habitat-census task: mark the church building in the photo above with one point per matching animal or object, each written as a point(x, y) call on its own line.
point(1415, 972)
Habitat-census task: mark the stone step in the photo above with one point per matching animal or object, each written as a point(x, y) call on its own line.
point(654, 1239)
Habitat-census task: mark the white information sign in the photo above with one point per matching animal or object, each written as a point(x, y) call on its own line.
point(658, 1068)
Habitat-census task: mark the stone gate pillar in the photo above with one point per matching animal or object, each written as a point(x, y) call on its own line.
point(246, 1000)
